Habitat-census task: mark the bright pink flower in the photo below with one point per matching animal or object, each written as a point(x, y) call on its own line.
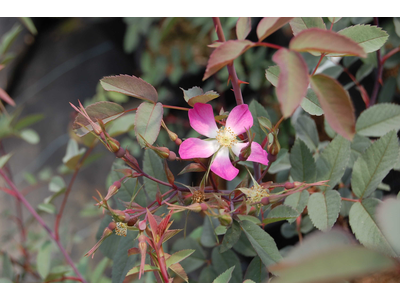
point(222, 141)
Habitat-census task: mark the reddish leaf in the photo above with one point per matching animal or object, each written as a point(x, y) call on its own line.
point(336, 104)
point(153, 224)
point(267, 26)
point(5, 97)
point(293, 80)
point(225, 54)
point(324, 41)
point(193, 167)
point(105, 111)
point(131, 86)
point(243, 28)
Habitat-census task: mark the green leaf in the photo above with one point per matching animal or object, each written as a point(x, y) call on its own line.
point(306, 130)
point(153, 166)
point(207, 275)
point(280, 213)
point(147, 268)
point(334, 19)
point(293, 80)
point(262, 243)
point(98, 272)
point(324, 41)
point(243, 28)
point(47, 207)
point(8, 38)
point(328, 257)
point(122, 263)
point(225, 276)
point(387, 215)
point(43, 260)
point(358, 146)
point(303, 164)
point(365, 227)
point(28, 120)
point(224, 54)
point(147, 122)
point(29, 24)
point(4, 159)
point(244, 247)
point(282, 162)
point(196, 95)
point(122, 125)
point(105, 111)
point(30, 136)
point(324, 209)
point(332, 162)
point(300, 24)
point(178, 256)
point(373, 165)
point(378, 120)
point(194, 261)
point(298, 201)
point(256, 271)
point(73, 154)
point(56, 184)
point(269, 25)
point(225, 261)
point(336, 104)
point(231, 236)
point(130, 86)
point(208, 237)
point(370, 38)
point(7, 271)
point(257, 110)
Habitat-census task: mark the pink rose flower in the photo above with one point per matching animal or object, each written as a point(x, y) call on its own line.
point(221, 141)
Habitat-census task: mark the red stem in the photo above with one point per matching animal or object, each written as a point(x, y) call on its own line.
point(320, 59)
point(263, 44)
point(65, 278)
point(41, 222)
point(64, 202)
point(231, 68)
point(351, 200)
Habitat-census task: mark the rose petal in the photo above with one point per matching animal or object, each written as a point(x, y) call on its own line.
point(222, 165)
point(196, 148)
point(258, 154)
point(240, 119)
point(202, 120)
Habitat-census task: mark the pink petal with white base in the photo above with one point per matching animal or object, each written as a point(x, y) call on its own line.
point(240, 119)
point(196, 148)
point(202, 120)
point(258, 154)
point(222, 165)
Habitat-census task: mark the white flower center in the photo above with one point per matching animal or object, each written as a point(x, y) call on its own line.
point(226, 137)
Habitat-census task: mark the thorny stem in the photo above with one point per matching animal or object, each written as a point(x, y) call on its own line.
point(41, 222)
point(64, 202)
point(231, 68)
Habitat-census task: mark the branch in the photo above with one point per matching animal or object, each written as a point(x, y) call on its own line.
point(33, 212)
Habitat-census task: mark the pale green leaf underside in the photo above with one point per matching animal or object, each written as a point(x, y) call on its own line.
point(387, 214)
point(373, 165)
point(379, 120)
point(225, 276)
point(299, 24)
point(324, 209)
point(363, 223)
point(303, 164)
point(332, 162)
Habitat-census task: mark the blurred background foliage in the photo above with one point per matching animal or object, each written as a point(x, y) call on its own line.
point(60, 60)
